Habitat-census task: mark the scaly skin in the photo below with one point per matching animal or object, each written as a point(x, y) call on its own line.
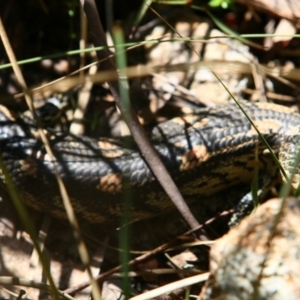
point(206, 153)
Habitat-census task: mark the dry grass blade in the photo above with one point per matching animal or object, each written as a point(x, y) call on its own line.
point(15, 197)
point(9, 281)
point(219, 67)
point(183, 283)
point(66, 201)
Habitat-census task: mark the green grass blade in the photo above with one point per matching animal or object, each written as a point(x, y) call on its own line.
point(126, 198)
point(227, 30)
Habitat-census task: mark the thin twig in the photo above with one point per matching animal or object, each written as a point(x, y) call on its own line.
point(145, 256)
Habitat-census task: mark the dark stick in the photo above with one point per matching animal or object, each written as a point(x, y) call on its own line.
point(147, 150)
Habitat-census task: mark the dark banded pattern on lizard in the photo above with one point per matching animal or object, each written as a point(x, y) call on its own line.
point(206, 152)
